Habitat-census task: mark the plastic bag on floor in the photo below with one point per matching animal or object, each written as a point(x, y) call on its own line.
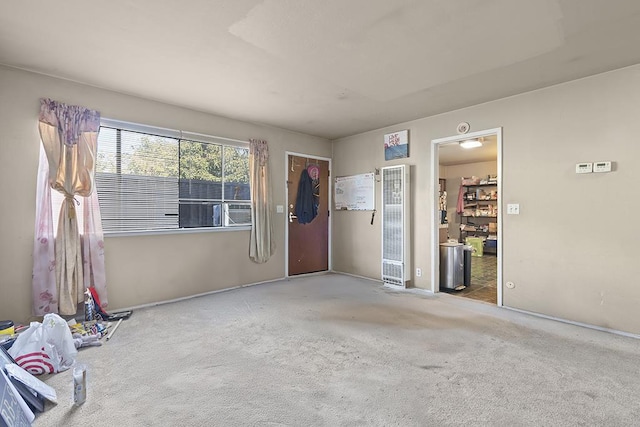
point(46, 347)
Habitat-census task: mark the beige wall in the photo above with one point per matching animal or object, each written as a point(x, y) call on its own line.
point(453, 175)
point(568, 252)
point(140, 269)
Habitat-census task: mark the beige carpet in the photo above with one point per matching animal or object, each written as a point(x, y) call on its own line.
point(339, 351)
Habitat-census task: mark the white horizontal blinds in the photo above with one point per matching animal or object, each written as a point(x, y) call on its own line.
point(137, 180)
point(156, 179)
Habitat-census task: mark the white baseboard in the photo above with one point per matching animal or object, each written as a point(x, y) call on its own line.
point(217, 291)
point(571, 322)
point(398, 288)
point(356, 276)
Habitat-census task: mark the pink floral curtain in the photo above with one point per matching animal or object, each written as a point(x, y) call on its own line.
point(262, 244)
point(69, 137)
point(45, 294)
point(93, 248)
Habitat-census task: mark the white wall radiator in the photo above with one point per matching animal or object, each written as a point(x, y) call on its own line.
point(396, 197)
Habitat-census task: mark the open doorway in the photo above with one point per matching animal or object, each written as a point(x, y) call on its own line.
point(467, 232)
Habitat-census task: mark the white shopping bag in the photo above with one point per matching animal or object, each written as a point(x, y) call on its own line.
point(46, 347)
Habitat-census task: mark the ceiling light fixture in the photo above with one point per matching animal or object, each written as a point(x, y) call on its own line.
point(470, 143)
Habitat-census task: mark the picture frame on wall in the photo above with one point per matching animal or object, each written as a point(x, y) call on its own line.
point(396, 145)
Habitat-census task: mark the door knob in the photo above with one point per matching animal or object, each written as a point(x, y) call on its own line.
point(291, 216)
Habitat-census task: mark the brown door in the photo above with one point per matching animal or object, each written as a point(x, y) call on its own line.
point(308, 243)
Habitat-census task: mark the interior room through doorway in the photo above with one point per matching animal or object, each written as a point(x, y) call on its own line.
point(468, 218)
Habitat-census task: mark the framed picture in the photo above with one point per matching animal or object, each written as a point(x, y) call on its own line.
point(396, 145)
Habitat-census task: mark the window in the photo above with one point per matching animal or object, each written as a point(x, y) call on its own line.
point(158, 179)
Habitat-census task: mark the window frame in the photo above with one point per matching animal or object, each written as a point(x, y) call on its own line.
point(186, 136)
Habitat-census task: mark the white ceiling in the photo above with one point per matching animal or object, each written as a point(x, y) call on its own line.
point(330, 68)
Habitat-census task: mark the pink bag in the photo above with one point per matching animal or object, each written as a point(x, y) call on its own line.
point(46, 347)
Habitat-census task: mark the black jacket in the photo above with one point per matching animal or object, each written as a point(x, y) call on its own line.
point(306, 209)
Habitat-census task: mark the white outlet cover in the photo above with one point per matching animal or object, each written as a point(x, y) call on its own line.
point(513, 209)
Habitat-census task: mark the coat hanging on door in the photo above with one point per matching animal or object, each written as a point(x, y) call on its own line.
point(306, 208)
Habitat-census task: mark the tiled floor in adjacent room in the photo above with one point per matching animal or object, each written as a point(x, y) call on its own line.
point(484, 274)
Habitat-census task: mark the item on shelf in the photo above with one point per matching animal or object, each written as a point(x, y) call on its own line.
point(468, 212)
point(487, 211)
point(486, 195)
point(442, 201)
point(491, 244)
point(467, 227)
point(473, 180)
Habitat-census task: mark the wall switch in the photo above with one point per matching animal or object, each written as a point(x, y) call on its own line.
point(513, 209)
point(418, 272)
point(602, 166)
point(279, 209)
point(584, 167)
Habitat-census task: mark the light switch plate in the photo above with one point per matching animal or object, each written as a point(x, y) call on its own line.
point(584, 167)
point(279, 209)
point(513, 209)
point(602, 167)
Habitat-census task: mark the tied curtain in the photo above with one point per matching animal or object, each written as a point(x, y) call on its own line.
point(262, 244)
point(65, 266)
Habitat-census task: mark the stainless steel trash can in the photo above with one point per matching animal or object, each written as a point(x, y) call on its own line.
point(451, 265)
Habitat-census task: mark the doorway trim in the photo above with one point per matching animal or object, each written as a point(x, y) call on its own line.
point(286, 217)
point(435, 173)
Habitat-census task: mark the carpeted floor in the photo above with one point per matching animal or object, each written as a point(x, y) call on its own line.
point(335, 350)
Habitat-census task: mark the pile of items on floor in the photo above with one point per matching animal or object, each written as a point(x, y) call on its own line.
point(47, 348)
